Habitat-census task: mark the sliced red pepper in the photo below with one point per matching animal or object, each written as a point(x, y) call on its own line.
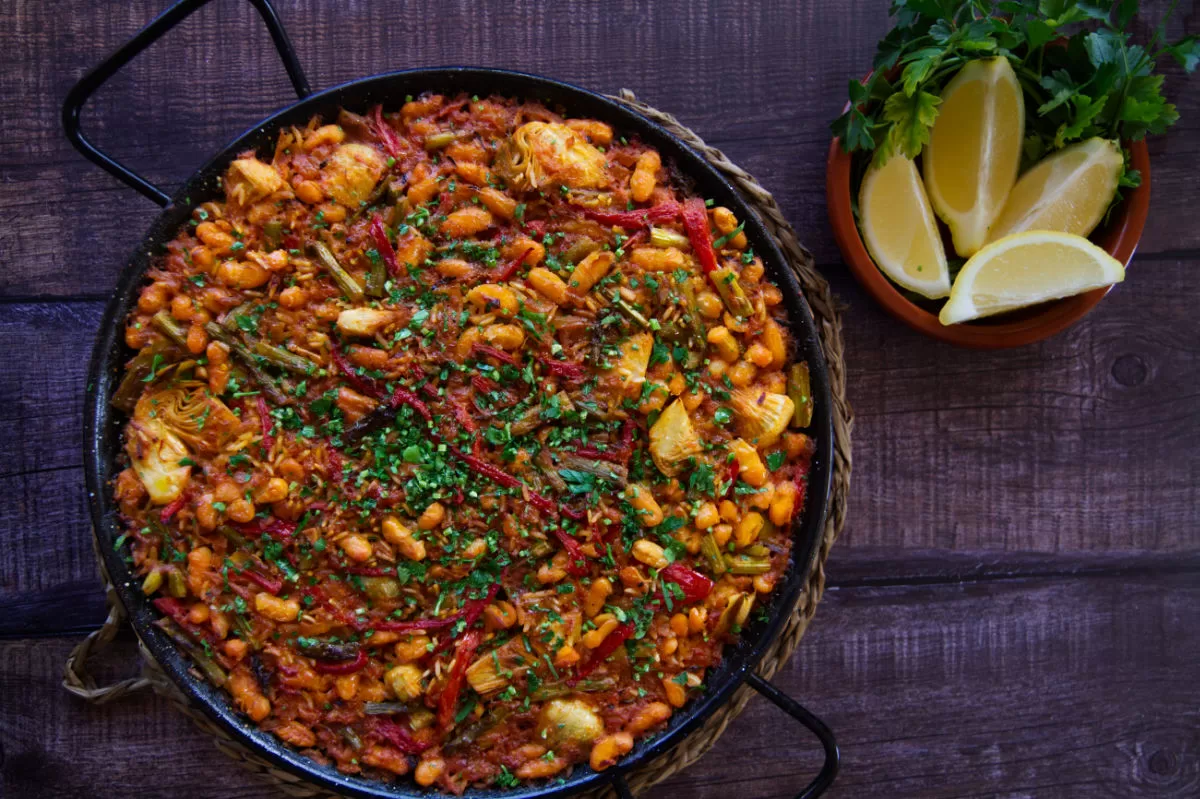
point(364, 385)
point(573, 513)
point(564, 369)
point(493, 473)
point(448, 701)
point(472, 609)
point(178, 611)
point(386, 134)
point(264, 419)
point(408, 626)
point(269, 584)
point(346, 667)
point(544, 504)
point(576, 560)
point(627, 440)
point(640, 217)
point(399, 737)
point(588, 451)
point(384, 246)
point(695, 585)
point(173, 508)
point(493, 352)
point(695, 221)
point(506, 271)
point(601, 653)
point(484, 385)
point(403, 396)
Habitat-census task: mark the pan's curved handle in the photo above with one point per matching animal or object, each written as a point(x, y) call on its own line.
point(801, 714)
point(81, 91)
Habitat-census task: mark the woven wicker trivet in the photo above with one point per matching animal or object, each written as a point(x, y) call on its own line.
point(78, 681)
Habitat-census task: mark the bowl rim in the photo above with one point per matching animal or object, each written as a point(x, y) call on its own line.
point(1119, 238)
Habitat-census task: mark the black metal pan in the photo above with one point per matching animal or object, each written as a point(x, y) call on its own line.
point(103, 424)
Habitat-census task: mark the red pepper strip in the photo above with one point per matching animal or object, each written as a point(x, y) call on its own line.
point(464, 418)
point(483, 385)
point(399, 737)
point(264, 419)
point(508, 270)
point(172, 509)
point(576, 561)
point(601, 653)
point(384, 245)
point(391, 142)
point(486, 469)
point(695, 585)
point(587, 451)
point(545, 504)
point(407, 626)
point(177, 611)
point(473, 608)
point(402, 396)
point(735, 469)
point(493, 352)
point(335, 466)
point(536, 227)
point(695, 221)
point(269, 584)
point(364, 385)
point(641, 217)
point(347, 667)
point(564, 369)
point(573, 513)
point(448, 701)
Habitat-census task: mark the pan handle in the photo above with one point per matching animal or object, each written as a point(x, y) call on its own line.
point(83, 90)
point(801, 714)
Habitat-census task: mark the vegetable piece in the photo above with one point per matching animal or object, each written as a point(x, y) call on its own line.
point(169, 328)
point(249, 180)
point(642, 217)
point(539, 155)
point(630, 367)
point(148, 361)
point(364, 322)
point(665, 237)
point(695, 221)
point(399, 736)
point(383, 245)
point(284, 359)
point(386, 133)
point(333, 651)
point(726, 282)
point(735, 614)
point(351, 172)
point(696, 587)
point(762, 416)
point(711, 551)
point(265, 383)
point(344, 280)
point(602, 652)
point(213, 672)
point(156, 454)
point(566, 722)
point(673, 439)
point(348, 667)
point(799, 391)
point(448, 701)
point(576, 560)
point(743, 563)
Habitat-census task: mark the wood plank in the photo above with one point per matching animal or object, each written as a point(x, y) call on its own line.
point(767, 104)
point(1003, 459)
point(1022, 688)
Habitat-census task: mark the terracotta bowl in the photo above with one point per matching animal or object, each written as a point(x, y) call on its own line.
point(1014, 329)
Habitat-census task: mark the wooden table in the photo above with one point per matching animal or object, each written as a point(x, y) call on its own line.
point(1014, 606)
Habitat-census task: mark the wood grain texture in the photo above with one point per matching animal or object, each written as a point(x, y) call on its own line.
point(1014, 689)
point(761, 80)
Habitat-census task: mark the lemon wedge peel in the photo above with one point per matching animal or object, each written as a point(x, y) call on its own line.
point(1068, 191)
point(899, 229)
point(974, 149)
point(1026, 269)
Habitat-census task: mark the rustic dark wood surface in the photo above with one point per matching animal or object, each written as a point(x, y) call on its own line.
point(1014, 607)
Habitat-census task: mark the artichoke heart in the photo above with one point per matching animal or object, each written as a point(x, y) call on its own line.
point(249, 180)
point(630, 368)
point(187, 412)
point(156, 453)
point(673, 439)
point(495, 670)
point(762, 416)
point(351, 173)
point(569, 721)
point(547, 154)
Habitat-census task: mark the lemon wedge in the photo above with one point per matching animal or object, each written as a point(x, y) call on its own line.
point(1025, 269)
point(974, 149)
point(899, 228)
point(1068, 191)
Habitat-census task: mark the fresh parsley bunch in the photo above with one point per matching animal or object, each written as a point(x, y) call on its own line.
point(1098, 84)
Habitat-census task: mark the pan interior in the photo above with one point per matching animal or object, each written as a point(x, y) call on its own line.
point(103, 425)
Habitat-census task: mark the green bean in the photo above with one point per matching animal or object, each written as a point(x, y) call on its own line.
point(260, 377)
point(384, 708)
point(630, 311)
point(376, 278)
point(344, 279)
point(176, 585)
point(373, 198)
point(727, 285)
point(273, 234)
point(712, 553)
point(799, 388)
point(170, 328)
point(215, 674)
point(134, 381)
point(747, 564)
point(579, 250)
point(284, 359)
